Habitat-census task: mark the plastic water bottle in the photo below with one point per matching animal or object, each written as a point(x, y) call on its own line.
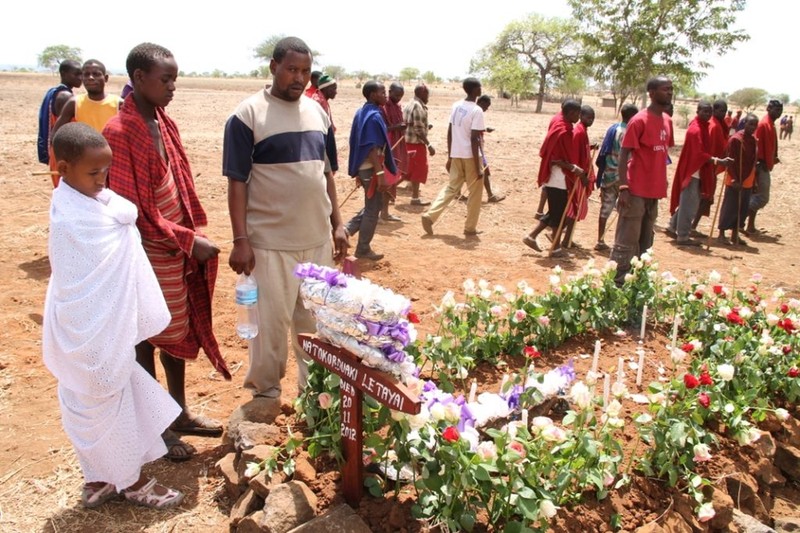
point(247, 307)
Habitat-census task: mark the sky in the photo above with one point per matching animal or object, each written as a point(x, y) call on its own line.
point(442, 36)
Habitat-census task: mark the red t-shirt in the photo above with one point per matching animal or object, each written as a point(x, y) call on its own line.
point(648, 136)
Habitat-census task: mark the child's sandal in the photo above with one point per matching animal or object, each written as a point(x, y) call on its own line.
point(92, 497)
point(146, 496)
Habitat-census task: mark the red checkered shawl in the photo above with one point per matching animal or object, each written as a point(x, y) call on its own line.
point(135, 171)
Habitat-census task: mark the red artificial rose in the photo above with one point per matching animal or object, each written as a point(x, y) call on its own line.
point(412, 317)
point(531, 352)
point(786, 324)
point(704, 399)
point(718, 289)
point(784, 308)
point(787, 349)
point(690, 381)
point(687, 347)
point(793, 372)
point(451, 434)
point(734, 318)
point(705, 379)
point(698, 294)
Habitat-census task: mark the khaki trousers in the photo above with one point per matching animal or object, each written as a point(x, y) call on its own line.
point(280, 310)
point(461, 171)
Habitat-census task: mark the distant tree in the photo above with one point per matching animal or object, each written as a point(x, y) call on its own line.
point(782, 97)
point(52, 56)
point(217, 73)
point(683, 111)
point(361, 75)
point(573, 81)
point(264, 50)
point(749, 98)
point(429, 77)
point(628, 43)
point(503, 72)
point(545, 45)
point(335, 71)
point(409, 74)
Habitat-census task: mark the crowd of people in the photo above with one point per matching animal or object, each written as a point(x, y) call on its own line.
point(132, 270)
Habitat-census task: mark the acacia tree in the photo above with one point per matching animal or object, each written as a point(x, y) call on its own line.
point(335, 71)
point(544, 45)
point(409, 74)
point(52, 56)
point(503, 72)
point(749, 98)
point(630, 42)
point(264, 50)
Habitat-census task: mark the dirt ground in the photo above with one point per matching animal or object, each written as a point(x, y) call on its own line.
point(39, 477)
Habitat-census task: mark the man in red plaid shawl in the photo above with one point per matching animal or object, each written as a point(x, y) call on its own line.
point(150, 168)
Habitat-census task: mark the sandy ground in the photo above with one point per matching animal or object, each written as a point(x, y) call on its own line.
point(39, 477)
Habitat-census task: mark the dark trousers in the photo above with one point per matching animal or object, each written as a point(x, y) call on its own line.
point(366, 220)
point(634, 232)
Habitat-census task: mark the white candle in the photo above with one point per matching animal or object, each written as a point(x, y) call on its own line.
point(640, 369)
point(596, 355)
point(675, 324)
point(473, 389)
point(606, 388)
point(644, 322)
point(525, 418)
point(621, 370)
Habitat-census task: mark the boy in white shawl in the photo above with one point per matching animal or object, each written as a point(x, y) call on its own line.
point(103, 298)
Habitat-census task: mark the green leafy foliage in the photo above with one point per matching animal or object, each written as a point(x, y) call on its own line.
point(52, 56)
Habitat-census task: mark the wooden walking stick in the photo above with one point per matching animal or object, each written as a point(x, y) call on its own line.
point(714, 220)
point(349, 195)
point(557, 236)
point(580, 201)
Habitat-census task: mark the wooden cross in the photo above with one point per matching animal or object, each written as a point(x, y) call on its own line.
point(357, 379)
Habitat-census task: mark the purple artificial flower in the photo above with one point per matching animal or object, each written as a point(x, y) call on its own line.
point(512, 398)
point(467, 418)
point(393, 354)
point(567, 371)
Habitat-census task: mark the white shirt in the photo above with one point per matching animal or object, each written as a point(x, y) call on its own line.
point(464, 119)
point(558, 180)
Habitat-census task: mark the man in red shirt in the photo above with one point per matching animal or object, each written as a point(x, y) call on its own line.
point(642, 175)
point(392, 114)
point(767, 157)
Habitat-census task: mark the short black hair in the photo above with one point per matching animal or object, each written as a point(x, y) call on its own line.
point(370, 87)
point(67, 65)
point(89, 62)
point(570, 105)
point(470, 84)
point(628, 111)
point(775, 103)
point(484, 98)
point(315, 74)
point(750, 116)
point(720, 104)
point(72, 139)
point(397, 85)
point(419, 89)
point(586, 109)
point(704, 103)
point(294, 44)
point(656, 82)
point(144, 56)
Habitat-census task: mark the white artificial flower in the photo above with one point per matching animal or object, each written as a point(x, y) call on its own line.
point(696, 345)
point(610, 265)
point(496, 311)
point(469, 287)
point(499, 289)
point(252, 470)
point(554, 434)
point(448, 300)
point(555, 279)
point(486, 294)
point(608, 479)
point(509, 297)
point(643, 419)
point(782, 414)
point(646, 258)
point(636, 262)
point(657, 398)
point(628, 277)
point(452, 412)
point(522, 285)
point(701, 453)
point(705, 512)
point(558, 270)
point(745, 312)
point(591, 378)
point(726, 372)
point(483, 284)
point(729, 408)
point(677, 355)
point(418, 421)
point(619, 390)
point(539, 423)
point(772, 319)
point(487, 451)
point(580, 395)
point(529, 291)
point(794, 303)
point(613, 409)
point(438, 412)
point(757, 278)
point(778, 294)
point(714, 277)
point(547, 509)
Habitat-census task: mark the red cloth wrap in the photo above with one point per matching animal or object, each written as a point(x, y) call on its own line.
point(557, 146)
point(135, 169)
point(694, 156)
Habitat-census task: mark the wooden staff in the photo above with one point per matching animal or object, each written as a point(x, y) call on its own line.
point(714, 220)
point(469, 192)
point(350, 194)
point(610, 221)
point(557, 236)
point(577, 212)
point(44, 173)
